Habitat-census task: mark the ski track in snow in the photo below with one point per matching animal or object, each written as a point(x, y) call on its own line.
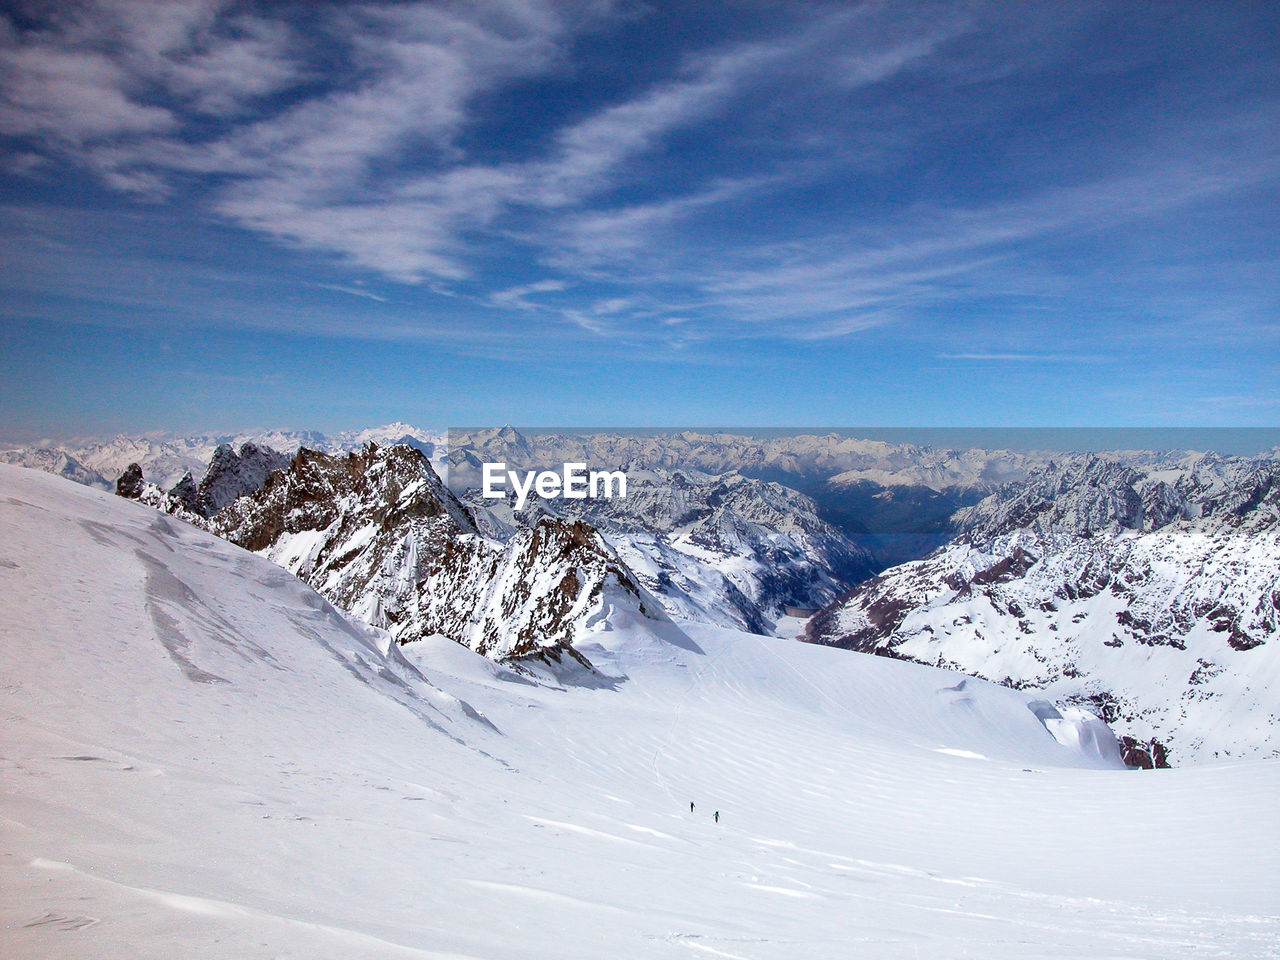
point(869, 808)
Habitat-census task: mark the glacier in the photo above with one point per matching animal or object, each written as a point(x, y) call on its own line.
point(203, 757)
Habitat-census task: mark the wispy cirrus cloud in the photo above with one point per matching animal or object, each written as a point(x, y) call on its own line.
point(126, 89)
point(582, 240)
point(797, 180)
point(519, 296)
point(98, 72)
point(917, 260)
point(354, 292)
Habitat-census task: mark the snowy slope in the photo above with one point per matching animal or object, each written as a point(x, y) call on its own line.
point(203, 759)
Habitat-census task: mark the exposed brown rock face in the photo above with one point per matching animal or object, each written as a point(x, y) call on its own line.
point(130, 484)
point(379, 534)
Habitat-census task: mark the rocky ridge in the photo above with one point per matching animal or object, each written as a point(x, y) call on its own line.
point(728, 550)
point(1152, 597)
point(377, 533)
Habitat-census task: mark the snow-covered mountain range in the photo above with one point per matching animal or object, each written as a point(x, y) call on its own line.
point(724, 549)
point(203, 756)
point(894, 500)
point(843, 459)
point(1139, 584)
point(166, 459)
point(1149, 595)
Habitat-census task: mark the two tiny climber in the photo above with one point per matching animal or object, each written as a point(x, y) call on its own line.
point(715, 816)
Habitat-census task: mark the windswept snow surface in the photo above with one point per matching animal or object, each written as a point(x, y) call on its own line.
point(202, 758)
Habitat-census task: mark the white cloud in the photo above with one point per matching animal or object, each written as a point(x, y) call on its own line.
point(611, 305)
point(68, 97)
point(399, 240)
point(317, 174)
point(518, 296)
point(372, 160)
point(110, 69)
point(353, 291)
point(871, 274)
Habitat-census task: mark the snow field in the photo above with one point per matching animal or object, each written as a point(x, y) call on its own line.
point(202, 758)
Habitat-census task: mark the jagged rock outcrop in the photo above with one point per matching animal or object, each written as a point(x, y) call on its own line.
point(1152, 598)
point(536, 595)
point(230, 475)
point(379, 534)
point(233, 474)
point(132, 485)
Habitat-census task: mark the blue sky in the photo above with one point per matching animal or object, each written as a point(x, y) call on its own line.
point(216, 215)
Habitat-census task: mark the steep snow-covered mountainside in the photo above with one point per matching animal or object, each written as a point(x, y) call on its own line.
point(202, 758)
point(55, 461)
point(765, 538)
point(687, 586)
point(726, 550)
point(1154, 598)
point(378, 533)
point(684, 586)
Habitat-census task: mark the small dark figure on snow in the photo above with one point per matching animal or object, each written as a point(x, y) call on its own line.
point(717, 816)
point(691, 806)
